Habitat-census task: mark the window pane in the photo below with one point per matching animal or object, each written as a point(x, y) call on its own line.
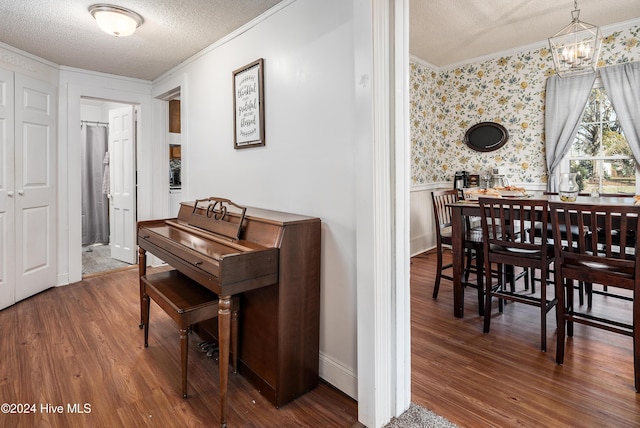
point(605, 176)
point(614, 143)
point(591, 112)
point(599, 139)
point(587, 142)
point(587, 178)
point(606, 109)
point(619, 176)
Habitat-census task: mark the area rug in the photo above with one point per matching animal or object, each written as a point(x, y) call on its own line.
point(419, 417)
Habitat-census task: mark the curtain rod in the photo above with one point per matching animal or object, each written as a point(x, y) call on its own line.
point(93, 121)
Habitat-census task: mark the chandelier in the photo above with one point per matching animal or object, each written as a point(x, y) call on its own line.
point(576, 47)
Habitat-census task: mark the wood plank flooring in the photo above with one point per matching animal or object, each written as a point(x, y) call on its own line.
point(502, 379)
point(80, 344)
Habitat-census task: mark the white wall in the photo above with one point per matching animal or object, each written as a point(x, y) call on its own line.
point(93, 110)
point(423, 233)
point(308, 165)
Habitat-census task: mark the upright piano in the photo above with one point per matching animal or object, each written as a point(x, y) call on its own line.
point(272, 261)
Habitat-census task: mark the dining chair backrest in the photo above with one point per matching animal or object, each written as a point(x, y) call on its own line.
point(605, 251)
point(442, 213)
point(472, 242)
point(508, 223)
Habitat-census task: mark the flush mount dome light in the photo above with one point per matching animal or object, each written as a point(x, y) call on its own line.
point(115, 20)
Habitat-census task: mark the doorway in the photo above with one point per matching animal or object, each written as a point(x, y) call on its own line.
point(98, 252)
point(175, 140)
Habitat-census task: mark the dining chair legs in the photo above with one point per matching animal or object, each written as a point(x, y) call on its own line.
point(468, 263)
point(436, 285)
point(505, 277)
point(561, 328)
point(480, 281)
point(543, 311)
point(565, 329)
point(636, 344)
point(468, 266)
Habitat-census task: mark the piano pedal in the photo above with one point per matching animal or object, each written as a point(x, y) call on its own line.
point(209, 347)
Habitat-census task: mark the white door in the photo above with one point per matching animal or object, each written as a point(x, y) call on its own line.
point(7, 193)
point(122, 176)
point(35, 189)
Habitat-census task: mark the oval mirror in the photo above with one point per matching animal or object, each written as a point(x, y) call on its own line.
point(486, 136)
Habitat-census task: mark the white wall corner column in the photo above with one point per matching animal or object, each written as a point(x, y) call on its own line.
point(384, 354)
point(402, 197)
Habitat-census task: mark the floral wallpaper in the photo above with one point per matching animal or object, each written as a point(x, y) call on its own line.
point(509, 90)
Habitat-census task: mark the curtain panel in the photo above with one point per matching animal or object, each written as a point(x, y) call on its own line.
point(566, 99)
point(622, 83)
point(95, 205)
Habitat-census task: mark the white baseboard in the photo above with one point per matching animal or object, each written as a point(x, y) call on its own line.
point(338, 375)
point(420, 244)
point(62, 279)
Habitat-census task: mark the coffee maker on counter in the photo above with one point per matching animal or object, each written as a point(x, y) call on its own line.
point(461, 180)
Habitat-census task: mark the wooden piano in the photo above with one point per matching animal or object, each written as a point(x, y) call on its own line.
point(272, 260)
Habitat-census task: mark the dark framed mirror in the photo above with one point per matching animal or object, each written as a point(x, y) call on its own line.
point(486, 136)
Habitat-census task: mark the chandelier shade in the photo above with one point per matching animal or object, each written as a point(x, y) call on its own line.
point(115, 20)
point(576, 47)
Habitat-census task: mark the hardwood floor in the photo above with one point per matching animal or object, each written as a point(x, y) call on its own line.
point(80, 344)
point(502, 379)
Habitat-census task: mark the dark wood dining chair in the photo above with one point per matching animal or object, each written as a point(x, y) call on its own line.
point(589, 290)
point(606, 253)
point(473, 245)
point(580, 286)
point(509, 240)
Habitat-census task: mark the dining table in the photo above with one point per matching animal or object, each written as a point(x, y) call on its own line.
point(471, 208)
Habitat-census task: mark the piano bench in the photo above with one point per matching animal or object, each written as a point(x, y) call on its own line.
point(187, 303)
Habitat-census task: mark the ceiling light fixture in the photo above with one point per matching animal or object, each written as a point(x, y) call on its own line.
point(115, 20)
point(576, 47)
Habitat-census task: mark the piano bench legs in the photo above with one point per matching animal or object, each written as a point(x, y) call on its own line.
point(187, 303)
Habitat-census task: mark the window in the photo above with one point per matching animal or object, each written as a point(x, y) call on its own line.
point(600, 153)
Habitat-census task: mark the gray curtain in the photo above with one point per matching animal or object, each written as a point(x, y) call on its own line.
point(622, 83)
point(95, 205)
point(566, 99)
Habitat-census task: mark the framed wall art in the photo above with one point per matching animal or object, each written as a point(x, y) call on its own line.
point(248, 105)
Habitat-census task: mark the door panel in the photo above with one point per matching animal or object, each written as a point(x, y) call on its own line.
point(35, 171)
point(35, 189)
point(122, 172)
point(7, 194)
point(35, 223)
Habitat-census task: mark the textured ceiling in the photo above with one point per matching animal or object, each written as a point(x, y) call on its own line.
point(442, 32)
point(63, 31)
point(446, 32)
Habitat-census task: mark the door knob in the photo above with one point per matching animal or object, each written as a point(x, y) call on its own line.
point(10, 193)
point(21, 192)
